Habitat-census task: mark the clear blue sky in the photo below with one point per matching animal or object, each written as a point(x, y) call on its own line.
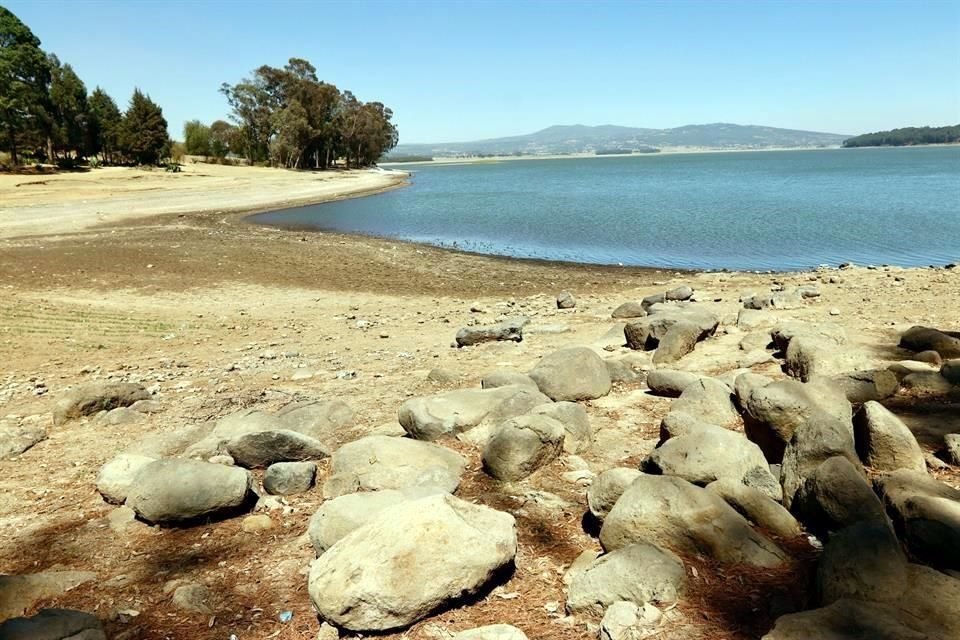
point(467, 70)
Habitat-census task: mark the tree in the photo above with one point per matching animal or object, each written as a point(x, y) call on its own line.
point(24, 78)
point(68, 98)
point(103, 127)
point(144, 130)
point(223, 136)
point(196, 138)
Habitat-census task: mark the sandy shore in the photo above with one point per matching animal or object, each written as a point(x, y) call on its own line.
point(70, 202)
point(214, 315)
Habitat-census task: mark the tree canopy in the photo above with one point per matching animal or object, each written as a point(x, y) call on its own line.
point(24, 83)
point(906, 136)
point(144, 130)
point(293, 119)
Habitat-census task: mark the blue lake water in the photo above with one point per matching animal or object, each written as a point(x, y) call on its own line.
point(779, 210)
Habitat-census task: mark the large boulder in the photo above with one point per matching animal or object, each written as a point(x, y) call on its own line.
point(679, 340)
point(94, 397)
point(575, 373)
point(670, 512)
point(637, 573)
point(812, 444)
point(864, 386)
point(773, 412)
point(708, 400)
point(578, 434)
point(263, 448)
point(846, 619)
point(837, 495)
point(646, 333)
point(323, 420)
point(862, 561)
point(629, 310)
point(757, 507)
point(116, 477)
point(505, 378)
point(714, 454)
point(288, 478)
point(409, 561)
point(951, 371)
point(522, 445)
point(919, 338)
point(54, 624)
point(510, 330)
point(337, 518)
point(884, 442)
point(232, 426)
point(926, 514)
point(669, 382)
point(607, 488)
point(454, 412)
point(379, 462)
point(177, 490)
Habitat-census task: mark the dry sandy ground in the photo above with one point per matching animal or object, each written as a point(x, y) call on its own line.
point(214, 314)
point(68, 202)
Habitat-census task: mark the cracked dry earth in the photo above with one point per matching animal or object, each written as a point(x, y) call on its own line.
point(212, 315)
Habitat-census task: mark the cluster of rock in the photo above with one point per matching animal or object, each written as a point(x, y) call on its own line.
point(745, 468)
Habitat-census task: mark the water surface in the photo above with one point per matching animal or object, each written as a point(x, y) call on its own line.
point(776, 210)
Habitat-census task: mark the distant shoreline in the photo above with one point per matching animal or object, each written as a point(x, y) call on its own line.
point(580, 156)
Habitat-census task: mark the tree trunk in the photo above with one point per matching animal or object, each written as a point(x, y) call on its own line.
point(51, 158)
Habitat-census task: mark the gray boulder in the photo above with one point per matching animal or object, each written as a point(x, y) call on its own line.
point(409, 561)
point(629, 310)
point(578, 434)
point(95, 397)
point(838, 495)
point(288, 478)
point(863, 561)
point(455, 412)
point(708, 400)
point(607, 488)
point(637, 573)
point(628, 621)
point(680, 423)
point(846, 619)
point(336, 518)
point(507, 331)
point(919, 338)
point(54, 624)
point(176, 490)
point(926, 514)
point(757, 507)
point(646, 333)
point(714, 454)
point(264, 448)
point(378, 462)
point(670, 512)
point(575, 373)
point(930, 383)
point(679, 340)
point(506, 378)
point(772, 413)
point(565, 300)
point(116, 477)
point(884, 442)
point(14, 440)
point(812, 444)
point(864, 386)
point(230, 427)
point(522, 445)
point(952, 442)
point(323, 420)
point(679, 294)
point(669, 382)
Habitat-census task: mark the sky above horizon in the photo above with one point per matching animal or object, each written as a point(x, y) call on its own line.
point(457, 71)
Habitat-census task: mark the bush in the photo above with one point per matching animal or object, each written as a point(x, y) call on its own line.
point(94, 163)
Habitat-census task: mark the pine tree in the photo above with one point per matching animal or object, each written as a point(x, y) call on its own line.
point(24, 78)
point(144, 130)
point(103, 127)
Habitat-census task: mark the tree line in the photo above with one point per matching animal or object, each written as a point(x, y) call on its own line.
point(47, 115)
point(286, 117)
point(906, 136)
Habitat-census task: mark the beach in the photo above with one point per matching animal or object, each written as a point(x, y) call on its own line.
point(157, 279)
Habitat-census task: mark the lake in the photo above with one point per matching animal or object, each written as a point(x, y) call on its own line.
point(765, 210)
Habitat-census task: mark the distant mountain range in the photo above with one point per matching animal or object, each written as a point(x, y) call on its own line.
point(563, 139)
